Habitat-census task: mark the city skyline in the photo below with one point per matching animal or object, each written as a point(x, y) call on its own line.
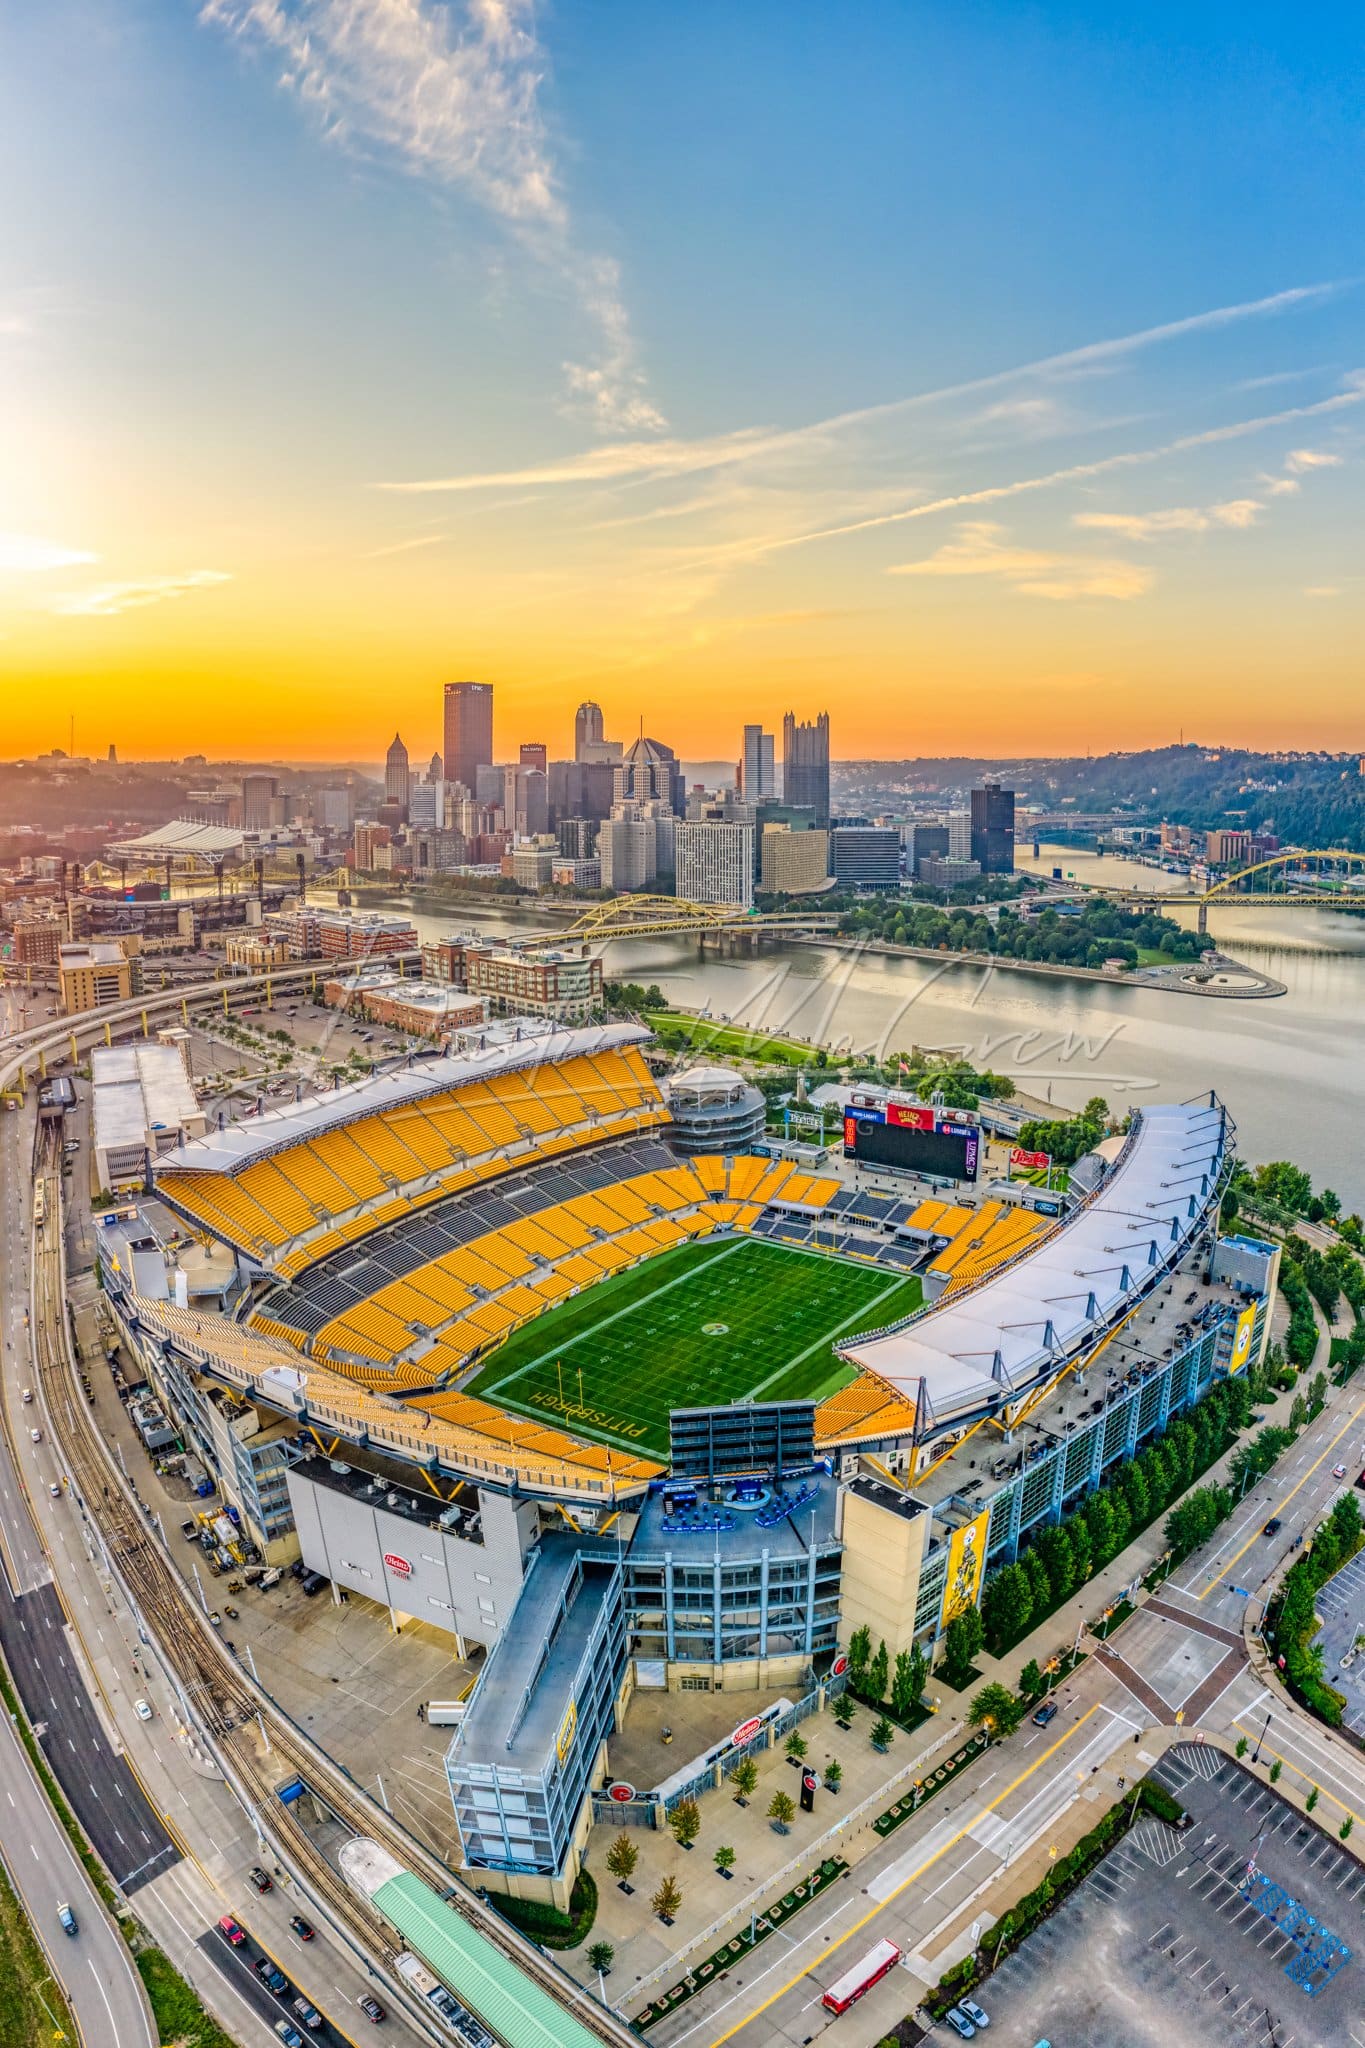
point(346, 350)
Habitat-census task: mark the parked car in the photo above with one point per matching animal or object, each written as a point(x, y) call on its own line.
point(70, 1924)
point(261, 1878)
point(959, 2022)
point(1047, 1712)
point(272, 1976)
point(371, 2008)
point(301, 1927)
point(232, 1930)
point(974, 2013)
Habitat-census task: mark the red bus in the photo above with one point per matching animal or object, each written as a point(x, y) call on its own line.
point(862, 1977)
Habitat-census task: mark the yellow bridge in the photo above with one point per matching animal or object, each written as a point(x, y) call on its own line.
point(1332, 895)
point(647, 917)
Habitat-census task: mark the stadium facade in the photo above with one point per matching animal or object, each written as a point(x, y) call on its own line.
point(385, 1239)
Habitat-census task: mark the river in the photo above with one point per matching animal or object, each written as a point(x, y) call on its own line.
point(1290, 1069)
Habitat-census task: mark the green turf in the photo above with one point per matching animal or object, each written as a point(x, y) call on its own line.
point(640, 1342)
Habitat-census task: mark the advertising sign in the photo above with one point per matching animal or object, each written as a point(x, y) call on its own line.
point(1241, 1339)
point(567, 1729)
point(398, 1565)
point(621, 1792)
point(966, 1564)
point(910, 1116)
point(839, 1666)
point(1019, 1157)
point(746, 1731)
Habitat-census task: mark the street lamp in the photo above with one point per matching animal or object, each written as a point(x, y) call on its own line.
point(1256, 1753)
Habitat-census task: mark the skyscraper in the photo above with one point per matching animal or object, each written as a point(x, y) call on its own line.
point(588, 729)
point(757, 769)
point(993, 829)
point(468, 731)
point(534, 755)
point(714, 862)
point(397, 780)
point(805, 764)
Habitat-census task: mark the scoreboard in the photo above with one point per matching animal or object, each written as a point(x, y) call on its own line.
point(910, 1139)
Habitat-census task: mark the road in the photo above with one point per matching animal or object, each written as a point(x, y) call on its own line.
point(1181, 1654)
point(96, 1969)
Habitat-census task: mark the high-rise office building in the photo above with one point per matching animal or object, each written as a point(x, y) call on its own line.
point(805, 764)
point(524, 803)
point(757, 766)
point(793, 863)
point(588, 729)
point(714, 862)
point(959, 835)
point(468, 731)
point(650, 773)
point(993, 829)
point(397, 781)
point(534, 755)
point(866, 857)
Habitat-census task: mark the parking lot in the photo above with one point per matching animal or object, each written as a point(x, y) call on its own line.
point(1341, 1603)
point(1188, 1939)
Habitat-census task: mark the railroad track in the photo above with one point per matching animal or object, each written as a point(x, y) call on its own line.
point(235, 1712)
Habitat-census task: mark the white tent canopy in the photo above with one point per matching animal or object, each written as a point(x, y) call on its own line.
point(1024, 1321)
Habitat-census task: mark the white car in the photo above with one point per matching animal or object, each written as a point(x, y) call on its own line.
point(36, 1435)
point(28, 1396)
point(55, 1490)
point(142, 1710)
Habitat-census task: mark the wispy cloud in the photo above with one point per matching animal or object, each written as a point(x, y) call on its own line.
point(1323, 590)
point(983, 549)
point(404, 547)
point(679, 457)
point(1236, 512)
point(24, 554)
point(451, 94)
point(105, 600)
point(1299, 461)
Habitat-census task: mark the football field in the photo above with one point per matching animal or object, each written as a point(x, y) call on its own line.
point(698, 1327)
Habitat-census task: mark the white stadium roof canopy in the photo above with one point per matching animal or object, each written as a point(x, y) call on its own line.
point(237, 1145)
point(1022, 1323)
point(184, 836)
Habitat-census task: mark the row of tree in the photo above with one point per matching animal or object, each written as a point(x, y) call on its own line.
point(1067, 1139)
point(1099, 931)
point(1293, 1621)
point(1062, 1557)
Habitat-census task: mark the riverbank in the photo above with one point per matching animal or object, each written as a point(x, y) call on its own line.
point(1180, 978)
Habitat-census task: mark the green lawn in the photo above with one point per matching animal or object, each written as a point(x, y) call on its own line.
point(705, 1034)
point(642, 1345)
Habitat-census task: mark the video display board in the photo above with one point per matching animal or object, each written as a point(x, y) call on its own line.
point(952, 1152)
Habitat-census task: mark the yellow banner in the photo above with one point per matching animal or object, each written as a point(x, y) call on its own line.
point(1241, 1339)
point(966, 1565)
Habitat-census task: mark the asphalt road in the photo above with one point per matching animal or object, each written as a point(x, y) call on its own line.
point(94, 1968)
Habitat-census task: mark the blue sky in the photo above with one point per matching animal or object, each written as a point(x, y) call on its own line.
point(720, 330)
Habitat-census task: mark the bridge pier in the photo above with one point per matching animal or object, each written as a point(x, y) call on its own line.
point(1203, 917)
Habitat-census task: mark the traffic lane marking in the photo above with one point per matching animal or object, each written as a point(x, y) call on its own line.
point(1349, 1424)
point(858, 1925)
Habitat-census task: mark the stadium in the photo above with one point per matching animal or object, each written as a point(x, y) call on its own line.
point(689, 1416)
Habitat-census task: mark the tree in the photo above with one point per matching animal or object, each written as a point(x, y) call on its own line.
point(725, 1857)
point(995, 1708)
point(919, 1672)
point(962, 1639)
point(845, 1707)
point(781, 1811)
point(883, 1733)
point(744, 1777)
point(904, 1697)
point(859, 1655)
point(1054, 1547)
point(795, 1747)
point(877, 1674)
point(685, 1821)
point(1040, 1583)
point(834, 1774)
point(622, 1858)
point(667, 1899)
point(1006, 1606)
point(1311, 1801)
point(601, 1956)
point(1031, 1679)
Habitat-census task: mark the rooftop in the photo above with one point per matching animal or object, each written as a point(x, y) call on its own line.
point(138, 1091)
point(533, 1666)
